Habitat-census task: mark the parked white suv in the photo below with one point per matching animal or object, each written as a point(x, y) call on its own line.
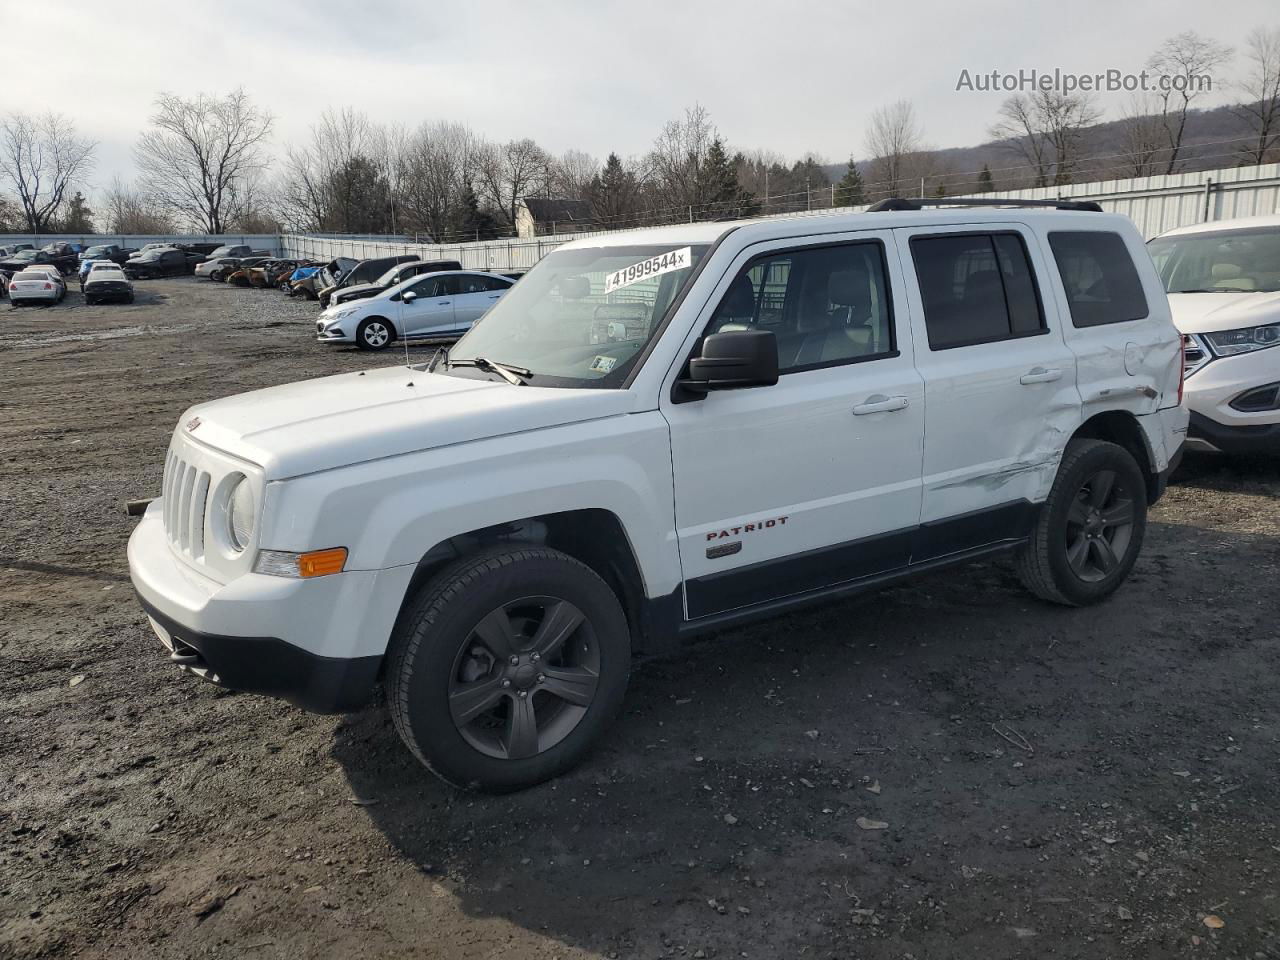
point(661, 432)
point(427, 306)
point(1223, 281)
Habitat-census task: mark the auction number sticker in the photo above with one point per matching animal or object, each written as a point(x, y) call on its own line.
point(654, 266)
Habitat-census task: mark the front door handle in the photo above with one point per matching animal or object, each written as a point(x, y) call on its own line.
point(1041, 375)
point(879, 403)
point(443, 303)
point(494, 296)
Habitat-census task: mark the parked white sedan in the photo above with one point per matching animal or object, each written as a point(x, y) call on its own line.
point(430, 306)
point(37, 285)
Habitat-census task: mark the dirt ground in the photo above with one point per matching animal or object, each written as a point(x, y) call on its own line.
point(1055, 783)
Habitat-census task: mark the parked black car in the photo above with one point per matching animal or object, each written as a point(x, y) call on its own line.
point(239, 251)
point(107, 285)
point(366, 271)
point(162, 263)
point(108, 251)
point(27, 258)
point(65, 256)
point(397, 274)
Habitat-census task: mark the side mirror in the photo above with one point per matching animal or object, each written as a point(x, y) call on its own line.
point(408, 296)
point(730, 361)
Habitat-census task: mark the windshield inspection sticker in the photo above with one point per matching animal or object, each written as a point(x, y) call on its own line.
point(603, 364)
point(662, 263)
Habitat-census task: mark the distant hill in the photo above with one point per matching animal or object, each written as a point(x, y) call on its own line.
point(1203, 149)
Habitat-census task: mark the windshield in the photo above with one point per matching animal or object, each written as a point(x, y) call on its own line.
point(390, 277)
point(98, 249)
point(25, 255)
point(582, 317)
point(1223, 261)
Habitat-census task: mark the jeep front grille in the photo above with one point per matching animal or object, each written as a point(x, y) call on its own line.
point(186, 493)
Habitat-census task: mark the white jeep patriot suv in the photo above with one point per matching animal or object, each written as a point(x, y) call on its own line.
point(661, 432)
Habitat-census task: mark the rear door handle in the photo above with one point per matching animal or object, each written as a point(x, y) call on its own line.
point(443, 303)
point(879, 403)
point(494, 296)
point(1041, 375)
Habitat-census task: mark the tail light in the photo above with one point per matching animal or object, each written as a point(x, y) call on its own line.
point(1182, 371)
point(48, 286)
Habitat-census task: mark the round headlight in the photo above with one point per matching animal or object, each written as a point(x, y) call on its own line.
point(242, 513)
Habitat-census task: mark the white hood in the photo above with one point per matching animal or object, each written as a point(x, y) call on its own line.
point(1227, 310)
point(301, 428)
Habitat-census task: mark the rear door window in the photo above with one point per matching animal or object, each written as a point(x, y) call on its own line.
point(1099, 277)
point(976, 288)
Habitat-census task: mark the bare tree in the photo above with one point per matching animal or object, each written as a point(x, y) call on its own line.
point(343, 178)
point(1142, 135)
point(202, 155)
point(42, 157)
point(311, 169)
point(1185, 63)
point(893, 140)
point(678, 154)
point(129, 211)
point(439, 163)
point(1261, 90)
point(511, 171)
point(1046, 129)
point(572, 173)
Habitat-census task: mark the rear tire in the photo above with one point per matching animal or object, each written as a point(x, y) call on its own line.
point(1090, 530)
point(507, 668)
point(375, 333)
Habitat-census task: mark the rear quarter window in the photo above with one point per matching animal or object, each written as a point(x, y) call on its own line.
point(1098, 275)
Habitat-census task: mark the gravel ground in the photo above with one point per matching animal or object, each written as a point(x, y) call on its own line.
point(947, 768)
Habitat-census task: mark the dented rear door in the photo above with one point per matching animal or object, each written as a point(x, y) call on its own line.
point(1000, 403)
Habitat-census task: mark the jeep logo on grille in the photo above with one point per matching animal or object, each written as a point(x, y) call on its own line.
point(192, 424)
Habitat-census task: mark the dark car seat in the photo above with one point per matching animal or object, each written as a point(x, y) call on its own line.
point(738, 308)
point(841, 329)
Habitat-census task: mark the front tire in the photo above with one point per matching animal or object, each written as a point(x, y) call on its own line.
point(508, 667)
point(1091, 528)
point(374, 334)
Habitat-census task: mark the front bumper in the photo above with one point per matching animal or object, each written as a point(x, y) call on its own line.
point(1218, 426)
point(1248, 438)
point(332, 334)
point(317, 643)
point(268, 665)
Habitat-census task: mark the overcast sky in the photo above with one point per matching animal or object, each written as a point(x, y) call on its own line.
point(597, 76)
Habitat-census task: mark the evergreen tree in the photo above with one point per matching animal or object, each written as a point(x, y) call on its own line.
point(985, 181)
point(79, 218)
point(720, 195)
point(613, 194)
point(361, 198)
point(939, 191)
point(471, 222)
point(849, 191)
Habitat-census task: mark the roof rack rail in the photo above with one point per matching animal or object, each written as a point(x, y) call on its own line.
point(901, 203)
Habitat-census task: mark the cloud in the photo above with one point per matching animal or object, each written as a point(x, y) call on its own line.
point(596, 76)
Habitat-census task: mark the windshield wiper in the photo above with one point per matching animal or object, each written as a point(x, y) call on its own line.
point(1207, 290)
point(442, 353)
point(509, 372)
